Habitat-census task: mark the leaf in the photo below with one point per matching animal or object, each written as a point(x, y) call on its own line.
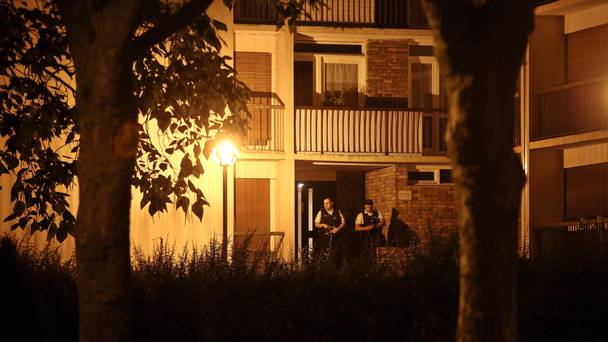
point(185, 166)
point(62, 231)
point(164, 119)
point(184, 203)
point(191, 186)
point(19, 208)
point(52, 232)
point(198, 210)
point(11, 217)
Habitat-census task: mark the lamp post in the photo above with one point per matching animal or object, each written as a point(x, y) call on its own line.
point(226, 154)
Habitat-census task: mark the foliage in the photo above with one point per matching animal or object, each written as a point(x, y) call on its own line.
point(183, 88)
point(195, 295)
point(39, 293)
point(38, 126)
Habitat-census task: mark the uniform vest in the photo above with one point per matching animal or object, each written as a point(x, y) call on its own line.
point(332, 219)
point(370, 219)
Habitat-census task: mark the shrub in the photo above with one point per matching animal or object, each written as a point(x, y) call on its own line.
point(194, 295)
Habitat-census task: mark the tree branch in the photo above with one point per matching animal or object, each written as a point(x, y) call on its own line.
point(175, 22)
point(58, 79)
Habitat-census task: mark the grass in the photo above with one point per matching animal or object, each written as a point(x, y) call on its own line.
point(193, 295)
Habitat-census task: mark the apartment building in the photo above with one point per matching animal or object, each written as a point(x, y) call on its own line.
point(350, 106)
point(565, 125)
point(347, 107)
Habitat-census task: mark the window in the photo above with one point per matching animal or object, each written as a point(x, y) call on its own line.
point(424, 83)
point(341, 85)
point(445, 176)
point(421, 176)
point(421, 85)
point(330, 80)
point(429, 176)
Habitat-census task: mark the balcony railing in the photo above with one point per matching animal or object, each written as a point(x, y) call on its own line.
point(265, 126)
point(568, 238)
point(369, 131)
point(357, 13)
point(570, 109)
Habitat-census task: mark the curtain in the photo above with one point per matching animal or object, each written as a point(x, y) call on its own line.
point(341, 84)
point(422, 86)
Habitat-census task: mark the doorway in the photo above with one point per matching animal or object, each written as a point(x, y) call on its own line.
point(311, 195)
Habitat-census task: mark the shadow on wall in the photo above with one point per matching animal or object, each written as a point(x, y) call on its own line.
point(399, 233)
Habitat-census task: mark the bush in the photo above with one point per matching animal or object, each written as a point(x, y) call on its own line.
point(39, 295)
point(193, 295)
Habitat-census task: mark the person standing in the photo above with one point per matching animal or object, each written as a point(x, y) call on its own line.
point(368, 226)
point(329, 222)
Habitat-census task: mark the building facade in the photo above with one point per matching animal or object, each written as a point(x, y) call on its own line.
point(565, 126)
point(350, 106)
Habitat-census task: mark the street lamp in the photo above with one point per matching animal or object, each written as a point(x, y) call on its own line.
point(225, 153)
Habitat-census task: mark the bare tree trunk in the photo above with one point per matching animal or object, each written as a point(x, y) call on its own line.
point(480, 46)
point(99, 41)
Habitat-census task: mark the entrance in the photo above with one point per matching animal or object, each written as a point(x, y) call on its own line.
point(309, 200)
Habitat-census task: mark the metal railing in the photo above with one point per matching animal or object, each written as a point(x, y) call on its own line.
point(357, 13)
point(588, 236)
point(264, 244)
point(265, 126)
point(372, 131)
point(571, 108)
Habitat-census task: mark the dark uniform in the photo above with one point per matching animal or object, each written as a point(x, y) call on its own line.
point(374, 237)
point(323, 240)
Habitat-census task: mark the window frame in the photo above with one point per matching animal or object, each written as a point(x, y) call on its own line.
point(319, 61)
point(435, 78)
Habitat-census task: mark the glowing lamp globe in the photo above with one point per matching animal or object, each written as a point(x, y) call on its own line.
point(225, 153)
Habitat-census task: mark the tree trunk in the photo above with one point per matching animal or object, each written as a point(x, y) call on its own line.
point(480, 47)
point(99, 42)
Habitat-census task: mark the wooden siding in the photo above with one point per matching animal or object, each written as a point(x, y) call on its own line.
point(252, 212)
point(587, 53)
point(587, 191)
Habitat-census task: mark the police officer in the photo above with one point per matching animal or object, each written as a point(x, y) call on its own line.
point(368, 226)
point(328, 223)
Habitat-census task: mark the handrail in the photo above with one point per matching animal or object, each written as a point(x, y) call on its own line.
point(269, 95)
point(570, 108)
point(339, 13)
point(265, 131)
point(393, 109)
point(573, 85)
point(560, 225)
point(369, 130)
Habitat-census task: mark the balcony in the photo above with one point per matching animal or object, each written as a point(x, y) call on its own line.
point(265, 126)
point(571, 108)
point(370, 131)
point(340, 13)
point(567, 238)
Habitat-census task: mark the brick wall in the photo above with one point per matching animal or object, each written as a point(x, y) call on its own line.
point(380, 187)
point(350, 191)
point(419, 206)
point(387, 72)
